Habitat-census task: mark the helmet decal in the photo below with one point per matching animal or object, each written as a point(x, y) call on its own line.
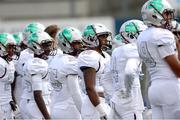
point(89, 31)
point(3, 39)
point(131, 27)
point(32, 38)
point(67, 34)
point(157, 4)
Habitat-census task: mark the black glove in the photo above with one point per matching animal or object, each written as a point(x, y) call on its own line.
point(13, 105)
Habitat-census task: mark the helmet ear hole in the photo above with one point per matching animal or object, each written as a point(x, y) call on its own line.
point(154, 16)
point(34, 47)
point(64, 44)
point(131, 36)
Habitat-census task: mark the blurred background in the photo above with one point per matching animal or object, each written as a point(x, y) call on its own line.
point(15, 14)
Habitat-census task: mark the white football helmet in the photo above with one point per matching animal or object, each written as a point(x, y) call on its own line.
point(40, 42)
point(117, 41)
point(32, 28)
point(130, 30)
point(18, 38)
point(7, 46)
point(67, 37)
point(91, 35)
point(152, 13)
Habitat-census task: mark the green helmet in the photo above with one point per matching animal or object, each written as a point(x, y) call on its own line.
point(152, 13)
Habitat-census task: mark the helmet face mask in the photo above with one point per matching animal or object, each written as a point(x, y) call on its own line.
point(158, 13)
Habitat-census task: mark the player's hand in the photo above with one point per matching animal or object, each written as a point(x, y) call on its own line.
point(13, 105)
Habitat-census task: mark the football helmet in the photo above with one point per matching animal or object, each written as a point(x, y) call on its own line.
point(41, 44)
point(130, 30)
point(7, 46)
point(18, 37)
point(68, 38)
point(153, 10)
point(32, 28)
point(117, 41)
point(92, 33)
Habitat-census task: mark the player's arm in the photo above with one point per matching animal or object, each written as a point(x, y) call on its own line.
point(178, 45)
point(74, 89)
point(174, 64)
point(166, 49)
point(37, 92)
point(90, 80)
point(130, 72)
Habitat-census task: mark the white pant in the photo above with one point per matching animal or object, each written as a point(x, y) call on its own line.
point(65, 110)
point(6, 112)
point(88, 111)
point(30, 110)
point(164, 96)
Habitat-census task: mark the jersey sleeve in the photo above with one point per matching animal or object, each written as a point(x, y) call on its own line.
point(37, 83)
point(71, 67)
point(166, 44)
point(89, 58)
point(37, 66)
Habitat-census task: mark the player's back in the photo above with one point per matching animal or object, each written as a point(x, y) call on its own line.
point(152, 50)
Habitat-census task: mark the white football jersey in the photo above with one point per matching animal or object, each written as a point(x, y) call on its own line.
point(125, 61)
point(59, 52)
point(93, 59)
point(24, 56)
point(59, 68)
point(120, 57)
point(154, 44)
point(6, 78)
point(34, 66)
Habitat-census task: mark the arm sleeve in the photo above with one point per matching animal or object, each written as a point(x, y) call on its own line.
point(166, 44)
point(131, 70)
point(37, 66)
point(74, 89)
point(37, 82)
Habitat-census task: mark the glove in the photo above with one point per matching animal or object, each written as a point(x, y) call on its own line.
point(101, 110)
point(13, 105)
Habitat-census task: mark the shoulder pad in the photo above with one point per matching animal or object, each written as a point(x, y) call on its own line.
point(37, 66)
point(89, 58)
